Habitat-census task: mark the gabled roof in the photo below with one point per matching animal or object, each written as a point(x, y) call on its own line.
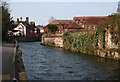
point(74, 25)
point(26, 24)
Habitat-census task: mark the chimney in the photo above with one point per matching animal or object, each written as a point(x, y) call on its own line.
point(20, 18)
point(17, 20)
point(27, 19)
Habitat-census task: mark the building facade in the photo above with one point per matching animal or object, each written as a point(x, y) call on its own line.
point(89, 24)
point(24, 29)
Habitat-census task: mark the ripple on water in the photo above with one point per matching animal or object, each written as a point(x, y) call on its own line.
point(70, 72)
point(47, 63)
point(68, 67)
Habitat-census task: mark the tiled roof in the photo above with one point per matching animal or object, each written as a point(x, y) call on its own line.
point(61, 22)
point(25, 24)
point(96, 21)
point(40, 28)
point(93, 20)
point(74, 25)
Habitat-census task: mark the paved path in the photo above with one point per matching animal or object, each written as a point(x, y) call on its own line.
point(7, 56)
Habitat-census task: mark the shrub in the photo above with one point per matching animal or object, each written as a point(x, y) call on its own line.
point(79, 41)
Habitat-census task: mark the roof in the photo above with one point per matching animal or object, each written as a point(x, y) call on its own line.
point(74, 25)
point(93, 20)
point(26, 24)
point(61, 22)
point(96, 20)
point(40, 26)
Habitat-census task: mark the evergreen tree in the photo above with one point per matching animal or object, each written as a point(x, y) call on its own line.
point(6, 20)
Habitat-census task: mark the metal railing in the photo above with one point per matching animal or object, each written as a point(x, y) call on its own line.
point(14, 66)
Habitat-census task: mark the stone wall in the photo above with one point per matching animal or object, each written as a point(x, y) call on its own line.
point(53, 40)
point(111, 49)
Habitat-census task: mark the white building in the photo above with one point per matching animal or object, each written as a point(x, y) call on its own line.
point(20, 30)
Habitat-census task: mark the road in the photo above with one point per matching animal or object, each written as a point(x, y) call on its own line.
point(7, 56)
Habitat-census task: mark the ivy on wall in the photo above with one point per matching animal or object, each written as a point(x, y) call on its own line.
point(79, 42)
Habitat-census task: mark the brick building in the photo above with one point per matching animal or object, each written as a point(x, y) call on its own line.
point(82, 24)
point(24, 29)
point(61, 24)
point(90, 24)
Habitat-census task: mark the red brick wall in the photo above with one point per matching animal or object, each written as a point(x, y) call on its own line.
point(60, 28)
point(29, 35)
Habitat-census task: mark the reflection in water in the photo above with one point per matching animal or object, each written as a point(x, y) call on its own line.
point(48, 63)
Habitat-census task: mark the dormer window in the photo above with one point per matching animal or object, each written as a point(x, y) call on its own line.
point(77, 21)
point(93, 27)
point(84, 20)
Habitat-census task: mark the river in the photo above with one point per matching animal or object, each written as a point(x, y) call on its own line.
point(48, 63)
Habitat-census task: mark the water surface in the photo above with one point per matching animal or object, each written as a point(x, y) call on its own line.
point(48, 63)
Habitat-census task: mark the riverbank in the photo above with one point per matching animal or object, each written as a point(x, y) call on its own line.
point(21, 68)
point(83, 42)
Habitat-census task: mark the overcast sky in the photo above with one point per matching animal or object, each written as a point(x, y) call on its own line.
point(40, 12)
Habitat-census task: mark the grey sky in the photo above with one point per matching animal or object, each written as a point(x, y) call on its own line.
point(40, 12)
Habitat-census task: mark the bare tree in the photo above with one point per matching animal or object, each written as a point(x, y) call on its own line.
point(51, 19)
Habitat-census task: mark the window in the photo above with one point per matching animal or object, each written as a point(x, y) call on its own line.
point(88, 27)
point(93, 27)
point(77, 21)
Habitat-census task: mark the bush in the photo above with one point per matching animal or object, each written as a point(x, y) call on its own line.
point(52, 28)
point(80, 42)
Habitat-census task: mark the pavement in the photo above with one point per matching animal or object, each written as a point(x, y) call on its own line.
point(7, 57)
